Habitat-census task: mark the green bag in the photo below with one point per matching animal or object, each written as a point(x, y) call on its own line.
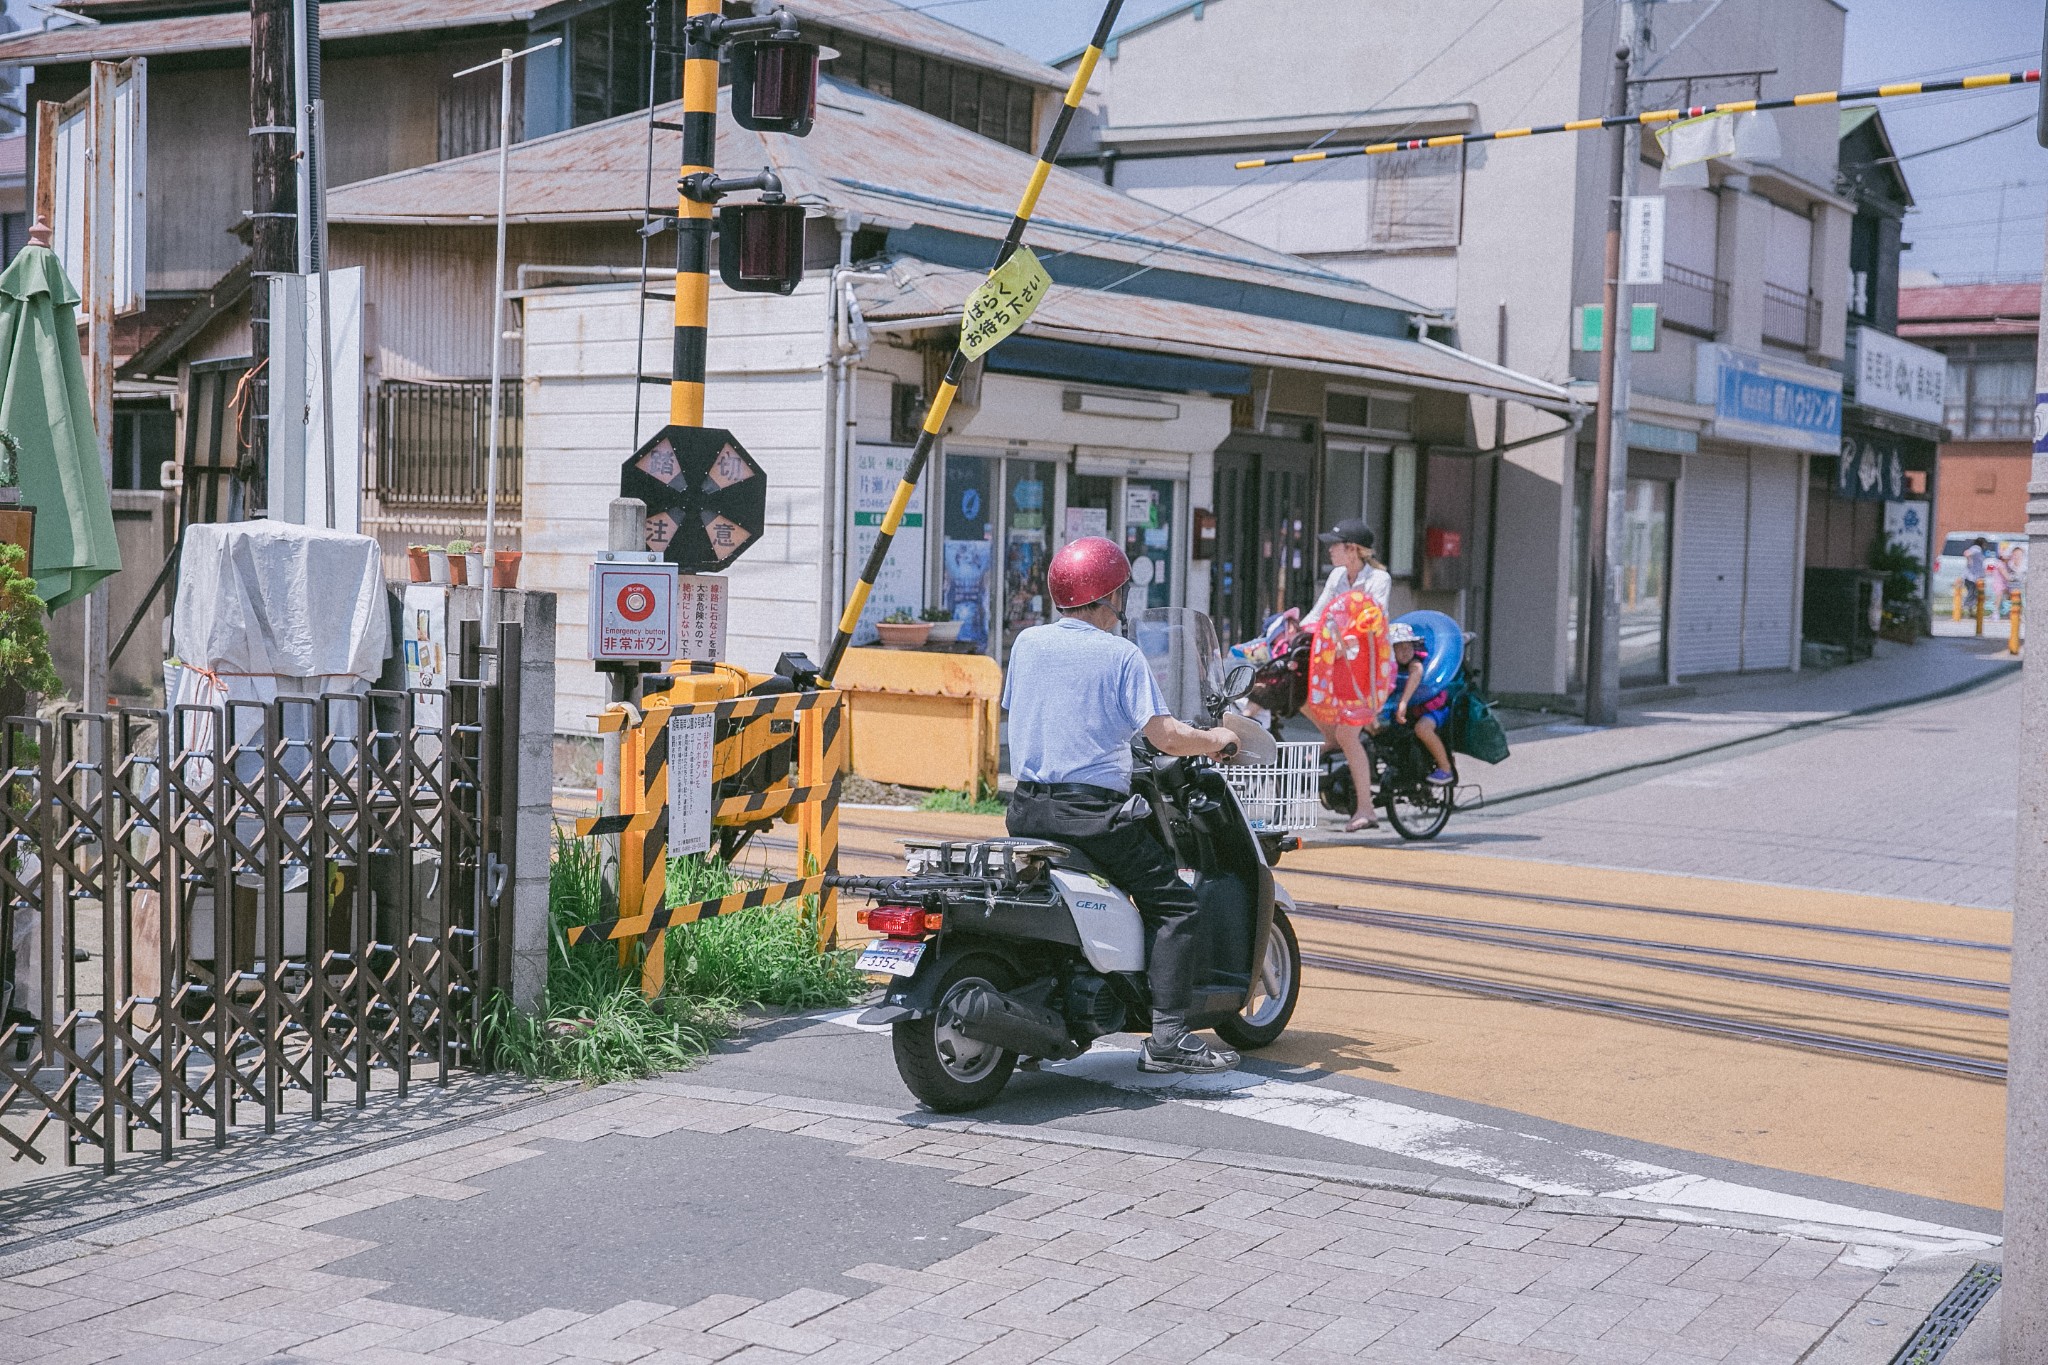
point(1479, 733)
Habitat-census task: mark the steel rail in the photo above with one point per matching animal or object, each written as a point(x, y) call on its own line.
point(1378, 916)
point(1659, 1014)
point(1631, 907)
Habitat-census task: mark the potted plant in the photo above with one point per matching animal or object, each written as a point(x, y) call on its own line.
point(505, 569)
point(417, 563)
point(944, 629)
point(437, 564)
point(459, 554)
point(900, 630)
point(25, 669)
point(10, 469)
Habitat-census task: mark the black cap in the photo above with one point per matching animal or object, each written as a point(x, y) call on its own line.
point(1351, 531)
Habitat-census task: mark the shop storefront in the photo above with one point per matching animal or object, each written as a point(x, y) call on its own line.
point(1741, 512)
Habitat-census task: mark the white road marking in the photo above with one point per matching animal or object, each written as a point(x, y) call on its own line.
point(1523, 1160)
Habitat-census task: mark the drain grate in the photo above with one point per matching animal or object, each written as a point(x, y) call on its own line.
point(1946, 1323)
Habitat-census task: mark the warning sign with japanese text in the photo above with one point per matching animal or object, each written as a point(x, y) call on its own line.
point(632, 611)
point(1005, 301)
point(691, 743)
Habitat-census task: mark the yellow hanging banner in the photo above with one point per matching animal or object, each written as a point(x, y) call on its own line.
point(1005, 301)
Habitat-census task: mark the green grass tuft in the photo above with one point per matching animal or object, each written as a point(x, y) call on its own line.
point(594, 1025)
point(960, 803)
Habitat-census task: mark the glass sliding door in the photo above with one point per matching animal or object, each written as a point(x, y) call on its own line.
point(1645, 580)
point(1027, 507)
point(1148, 541)
point(967, 558)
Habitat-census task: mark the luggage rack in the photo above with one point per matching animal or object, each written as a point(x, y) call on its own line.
point(1011, 861)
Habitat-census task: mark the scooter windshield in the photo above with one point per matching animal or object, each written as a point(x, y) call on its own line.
point(1180, 644)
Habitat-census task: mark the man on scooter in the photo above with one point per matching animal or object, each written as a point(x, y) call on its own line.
point(1078, 693)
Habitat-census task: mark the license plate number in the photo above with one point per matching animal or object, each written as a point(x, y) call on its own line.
point(892, 957)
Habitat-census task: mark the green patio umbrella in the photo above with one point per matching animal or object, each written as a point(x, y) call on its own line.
point(45, 403)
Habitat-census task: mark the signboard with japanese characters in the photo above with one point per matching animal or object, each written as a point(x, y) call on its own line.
point(707, 500)
point(691, 743)
point(632, 610)
point(1642, 239)
point(877, 474)
point(1897, 376)
point(1004, 302)
point(700, 617)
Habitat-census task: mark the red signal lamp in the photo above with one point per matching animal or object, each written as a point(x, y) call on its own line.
point(775, 85)
point(761, 247)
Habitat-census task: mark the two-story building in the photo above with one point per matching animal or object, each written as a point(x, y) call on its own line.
point(1987, 332)
point(1505, 239)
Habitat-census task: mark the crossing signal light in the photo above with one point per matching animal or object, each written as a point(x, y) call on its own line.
point(775, 85)
point(761, 247)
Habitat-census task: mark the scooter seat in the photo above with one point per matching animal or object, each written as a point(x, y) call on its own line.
point(1072, 859)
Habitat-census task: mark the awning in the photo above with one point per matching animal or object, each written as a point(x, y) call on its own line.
point(914, 293)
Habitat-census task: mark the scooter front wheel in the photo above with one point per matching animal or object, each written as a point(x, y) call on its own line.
point(943, 1067)
point(1275, 990)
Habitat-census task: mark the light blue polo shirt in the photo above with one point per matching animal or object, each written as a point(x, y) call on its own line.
point(1077, 696)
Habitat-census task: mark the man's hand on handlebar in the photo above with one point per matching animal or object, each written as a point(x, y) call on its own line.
point(1170, 736)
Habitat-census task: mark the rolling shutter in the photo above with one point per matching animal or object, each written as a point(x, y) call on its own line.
point(1773, 560)
point(1707, 608)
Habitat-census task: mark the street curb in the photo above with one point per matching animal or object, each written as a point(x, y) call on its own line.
point(2001, 669)
point(1644, 1211)
point(296, 1177)
point(1337, 1173)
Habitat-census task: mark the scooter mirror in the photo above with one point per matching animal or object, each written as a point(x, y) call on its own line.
point(1238, 681)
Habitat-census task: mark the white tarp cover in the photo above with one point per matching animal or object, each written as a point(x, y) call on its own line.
point(269, 598)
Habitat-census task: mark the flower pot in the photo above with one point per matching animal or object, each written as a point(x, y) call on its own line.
point(505, 569)
point(473, 569)
point(944, 633)
point(458, 569)
point(903, 634)
point(437, 566)
point(416, 563)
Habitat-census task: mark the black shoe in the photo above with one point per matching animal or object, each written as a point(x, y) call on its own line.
point(1189, 1054)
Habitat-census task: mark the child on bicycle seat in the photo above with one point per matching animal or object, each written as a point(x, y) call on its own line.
point(1428, 710)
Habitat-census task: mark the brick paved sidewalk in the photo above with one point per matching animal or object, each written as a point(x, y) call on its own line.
point(1102, 1255)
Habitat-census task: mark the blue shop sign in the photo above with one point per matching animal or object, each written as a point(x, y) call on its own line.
point(1765, 401)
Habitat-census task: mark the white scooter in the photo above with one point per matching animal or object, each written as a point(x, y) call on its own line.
point(1004, 949)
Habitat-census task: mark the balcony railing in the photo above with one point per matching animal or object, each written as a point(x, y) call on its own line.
point(433, 443)
point(1692, 301)
point(1791, 318)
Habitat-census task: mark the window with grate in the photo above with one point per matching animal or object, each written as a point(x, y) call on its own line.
point(1418, 199)
point(981, 102)
point(1990, 391)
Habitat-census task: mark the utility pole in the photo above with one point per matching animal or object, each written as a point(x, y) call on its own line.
point(1603, 603)
point(273, 218)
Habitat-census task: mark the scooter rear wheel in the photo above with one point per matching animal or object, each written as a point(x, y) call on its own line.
point(944, 1068)
point(1275, 991)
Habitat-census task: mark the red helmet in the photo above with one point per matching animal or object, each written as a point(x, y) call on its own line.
point(1086, 571)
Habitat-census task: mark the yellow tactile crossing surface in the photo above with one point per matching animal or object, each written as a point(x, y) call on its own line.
point(1873, 1122)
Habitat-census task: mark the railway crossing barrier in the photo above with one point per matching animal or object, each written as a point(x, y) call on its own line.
point(755, 780)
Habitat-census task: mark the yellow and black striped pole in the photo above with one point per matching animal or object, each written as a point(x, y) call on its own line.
point(1989, 81)
point(693, 217)
point(942, 401)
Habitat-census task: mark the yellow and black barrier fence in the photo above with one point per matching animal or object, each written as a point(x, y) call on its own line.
point(748, 729)
point(1991, 80)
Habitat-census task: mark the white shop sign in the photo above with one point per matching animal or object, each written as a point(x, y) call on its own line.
point(1642, 239)
point(632, 608)
point(877, 473)
point(690, 744)
point(1897, 376)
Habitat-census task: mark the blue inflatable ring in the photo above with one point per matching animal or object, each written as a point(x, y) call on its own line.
point(1444, 640)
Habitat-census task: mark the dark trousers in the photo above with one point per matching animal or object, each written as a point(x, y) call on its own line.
point(1124, 846)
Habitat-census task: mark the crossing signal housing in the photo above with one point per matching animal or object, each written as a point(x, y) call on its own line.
point(774, 85)
point(761, 247)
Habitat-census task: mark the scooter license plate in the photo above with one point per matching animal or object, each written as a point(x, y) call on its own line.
point(893, 957)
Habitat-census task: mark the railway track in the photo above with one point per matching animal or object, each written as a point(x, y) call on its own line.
point(1739, 967)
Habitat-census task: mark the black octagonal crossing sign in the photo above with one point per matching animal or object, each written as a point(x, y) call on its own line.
point(707, 501)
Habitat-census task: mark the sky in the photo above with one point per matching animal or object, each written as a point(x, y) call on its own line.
point(1982, 206)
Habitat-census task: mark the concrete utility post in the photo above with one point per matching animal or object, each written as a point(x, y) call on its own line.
point(1603, 604)
point(2023, 1300)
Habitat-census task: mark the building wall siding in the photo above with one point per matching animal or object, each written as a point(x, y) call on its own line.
point(767, 385)
point(1982, 487)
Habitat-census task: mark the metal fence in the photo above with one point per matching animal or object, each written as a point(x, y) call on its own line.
point(1693, 301)
point(1791, 318)
point(433, 442)
point(217, 915)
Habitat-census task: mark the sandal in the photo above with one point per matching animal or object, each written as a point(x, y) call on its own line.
point(1361, 823)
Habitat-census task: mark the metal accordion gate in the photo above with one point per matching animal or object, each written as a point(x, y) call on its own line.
point(221, 915)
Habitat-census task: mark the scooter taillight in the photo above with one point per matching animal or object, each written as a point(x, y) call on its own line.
point(900, 921)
